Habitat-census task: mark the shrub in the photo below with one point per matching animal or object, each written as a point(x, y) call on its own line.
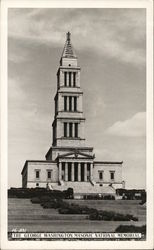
point(69, 193)
point(109, 197)
point(63, 210)
point(70, 210)
point(45, 199)
point(110, 216)
point(35, 200)
point(131, 229)
point(93, 216)
point(49, 204)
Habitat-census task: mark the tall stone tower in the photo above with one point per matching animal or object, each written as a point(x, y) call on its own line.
point(69, 162)
point(69, 122)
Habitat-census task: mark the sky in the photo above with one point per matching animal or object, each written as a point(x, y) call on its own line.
point(110, 46)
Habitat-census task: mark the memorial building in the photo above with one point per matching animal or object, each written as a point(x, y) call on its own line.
point(69, 162)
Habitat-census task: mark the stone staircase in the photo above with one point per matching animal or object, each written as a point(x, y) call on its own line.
point(85, 188)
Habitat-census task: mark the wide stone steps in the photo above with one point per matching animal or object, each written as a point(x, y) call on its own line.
point(85, 187)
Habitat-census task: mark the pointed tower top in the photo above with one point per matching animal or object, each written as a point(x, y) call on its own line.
point(68, 51)
point(68, 36)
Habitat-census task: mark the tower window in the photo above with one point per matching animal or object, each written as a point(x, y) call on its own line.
point(70, 103)
point(70, 75)
point(65, 129)
point(65, 103)
point(65, 78)
point(76, 129)
point(75, 103)
point(74, 79)
point(112, 175)
point(70, 129)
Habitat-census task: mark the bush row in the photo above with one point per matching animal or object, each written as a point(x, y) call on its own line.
point(38, 192)
point(94, 214)
point(99, 197)
point(131, 229)
point(132, 194)
point(111, 216)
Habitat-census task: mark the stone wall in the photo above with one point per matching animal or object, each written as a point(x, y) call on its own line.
point(106, 168)
point(42, 166)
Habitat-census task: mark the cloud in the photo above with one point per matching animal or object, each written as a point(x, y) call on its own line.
point(133, 127)
point(114, 33)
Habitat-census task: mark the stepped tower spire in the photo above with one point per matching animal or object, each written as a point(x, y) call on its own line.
point(68, 124)
point(68, 50)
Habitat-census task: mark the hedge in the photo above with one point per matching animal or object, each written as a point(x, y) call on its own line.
point(111, 216)
point(38, 192)
point(99, 197)
point(131, 229)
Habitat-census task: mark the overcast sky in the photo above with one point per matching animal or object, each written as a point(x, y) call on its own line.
point(110, 45)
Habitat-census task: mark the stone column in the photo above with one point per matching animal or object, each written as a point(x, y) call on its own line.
point(60, 168)
point(67, 128)
point(73, 129)
point(72, 177)
point(85, 171)
point(66, 171)
point(91, 171)
point(79, 171)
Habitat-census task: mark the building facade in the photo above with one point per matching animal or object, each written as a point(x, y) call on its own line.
point(69, 162)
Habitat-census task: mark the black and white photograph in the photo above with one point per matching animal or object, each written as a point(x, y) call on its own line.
point(78, 110)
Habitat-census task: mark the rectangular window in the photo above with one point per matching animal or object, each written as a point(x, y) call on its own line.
point(101, 175)
point(74, 79)
point(49, 174)
point(70, 103)
point(37, 174)
point(76, 130)
point(75, 103)
point(70, 76)
point(65, 78)
point(65, 103)
point(70, 129)
point(65, 129)
point(112, 175)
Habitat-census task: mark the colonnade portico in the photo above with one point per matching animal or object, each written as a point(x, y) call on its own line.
point(75, 171)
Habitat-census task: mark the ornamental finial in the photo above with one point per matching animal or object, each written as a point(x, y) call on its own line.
point(68, 36)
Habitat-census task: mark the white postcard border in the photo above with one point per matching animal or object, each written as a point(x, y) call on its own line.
point(5, 244)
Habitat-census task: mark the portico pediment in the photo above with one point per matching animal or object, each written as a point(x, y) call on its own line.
point(76, 154)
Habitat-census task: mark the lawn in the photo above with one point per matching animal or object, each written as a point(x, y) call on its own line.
point(22, 214)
